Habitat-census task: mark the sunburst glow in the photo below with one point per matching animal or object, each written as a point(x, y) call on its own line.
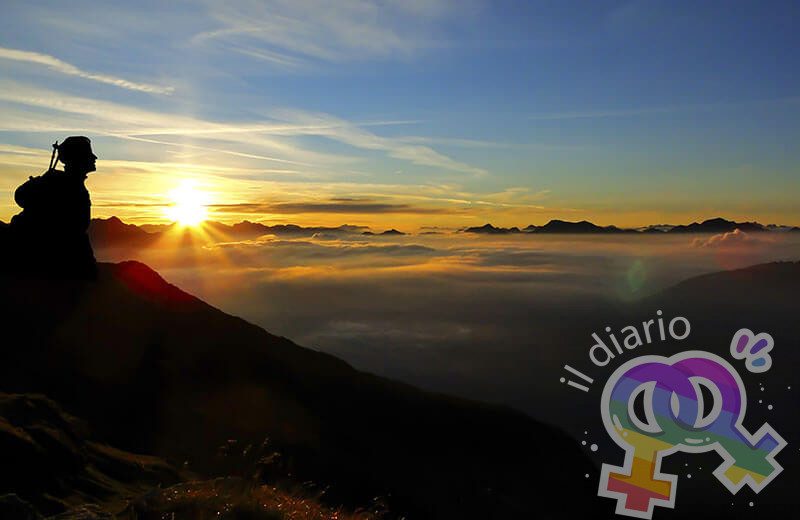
point(189, 205)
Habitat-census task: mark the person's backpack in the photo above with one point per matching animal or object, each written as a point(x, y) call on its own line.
point(35, 189)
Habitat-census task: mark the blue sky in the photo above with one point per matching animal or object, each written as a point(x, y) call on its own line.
point(454, 112)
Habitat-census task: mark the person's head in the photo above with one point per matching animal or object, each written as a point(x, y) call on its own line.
point(76, 154)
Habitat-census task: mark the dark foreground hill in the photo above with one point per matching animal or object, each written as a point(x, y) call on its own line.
point(53, 468)
point(157, 371)
point(50, 464)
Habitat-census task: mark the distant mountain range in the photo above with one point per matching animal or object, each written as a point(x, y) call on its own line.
point(387, 232)
point(714, 225)
point(113, 232)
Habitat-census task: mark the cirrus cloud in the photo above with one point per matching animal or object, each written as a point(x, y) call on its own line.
point(63, 67)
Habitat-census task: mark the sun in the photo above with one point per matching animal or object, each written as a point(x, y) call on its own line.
point(188, 205)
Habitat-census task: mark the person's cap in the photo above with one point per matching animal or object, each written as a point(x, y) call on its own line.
point(74, 147)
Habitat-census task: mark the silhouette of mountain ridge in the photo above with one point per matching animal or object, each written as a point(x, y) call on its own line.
point(491, 230)
point(561, 226)
point(718, 225)
point(156, 370)
point(113, 232)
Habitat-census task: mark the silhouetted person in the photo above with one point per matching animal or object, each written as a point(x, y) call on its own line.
point(48, 238)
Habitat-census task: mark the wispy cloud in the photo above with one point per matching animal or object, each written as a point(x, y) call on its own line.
point(335, 206)
point(271, 135)
point(464, 143)
point(476, 143)
point(325, 125)
point(123, 121)
point(290, 33)
point(272, 57)
point(63, 67)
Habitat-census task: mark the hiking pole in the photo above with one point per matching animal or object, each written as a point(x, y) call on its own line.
point(53, 156)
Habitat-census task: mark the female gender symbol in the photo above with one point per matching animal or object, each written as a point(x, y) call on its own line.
point(675, 421)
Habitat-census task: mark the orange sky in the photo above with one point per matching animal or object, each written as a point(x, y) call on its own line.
point(147, 192)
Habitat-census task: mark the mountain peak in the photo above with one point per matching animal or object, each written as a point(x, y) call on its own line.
point(718, 225)
point(717, 220)
point(490, 229)
point(563, 226)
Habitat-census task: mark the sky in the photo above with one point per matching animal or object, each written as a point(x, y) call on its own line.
point(412, 113)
